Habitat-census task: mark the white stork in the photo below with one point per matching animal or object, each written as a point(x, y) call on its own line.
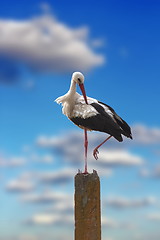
point(90, 114)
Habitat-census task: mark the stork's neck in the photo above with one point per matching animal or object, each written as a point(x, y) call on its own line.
point(72, 89)
point(69, 102)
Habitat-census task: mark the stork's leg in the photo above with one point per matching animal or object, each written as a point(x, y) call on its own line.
point(86, 148)
point(95, 151)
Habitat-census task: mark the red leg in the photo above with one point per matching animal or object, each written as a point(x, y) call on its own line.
point(95, 151)
point(86, 148)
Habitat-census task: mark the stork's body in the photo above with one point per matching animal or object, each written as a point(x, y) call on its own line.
point(90, 114)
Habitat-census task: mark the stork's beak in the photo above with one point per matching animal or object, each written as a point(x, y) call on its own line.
point(81, 85)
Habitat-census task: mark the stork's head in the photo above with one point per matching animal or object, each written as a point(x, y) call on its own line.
point(79, 79)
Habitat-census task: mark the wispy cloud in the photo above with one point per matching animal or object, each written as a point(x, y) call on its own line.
point(19, 185)
point(33, 236)
point(45, 197)
point(108, 222)
point(146, 135)
point(119, 158)
point(60, 207)
point(45, 158)
point(51, 219)
point(151, 173)
point(147, 236)
point(12, 161)
point(57, 177)
point(122, 202)
point(154, 216)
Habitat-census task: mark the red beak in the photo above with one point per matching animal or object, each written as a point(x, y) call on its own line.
point(83, 92)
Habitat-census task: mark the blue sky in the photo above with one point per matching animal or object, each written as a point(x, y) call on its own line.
point(116, 45)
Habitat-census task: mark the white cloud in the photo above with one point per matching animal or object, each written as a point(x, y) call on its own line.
point(121, 202)
point(60, 207)
point(45, 197)
point(57, 177)
point(147, 236)
point(111, 223)
point(154, 216)
point(27, 237)
point(26, 148)
point(146, 135)
point(151, 173)
point(50, 219)
point(108, 238)
point(28, 175)
point(46, 158)
point(144, 172)
point(118, 158)
point(107, 222)
point(68, 139)
point(44, 219)
point(46, 44)
point(19, 186)
point(12, 161)
point(30, 236)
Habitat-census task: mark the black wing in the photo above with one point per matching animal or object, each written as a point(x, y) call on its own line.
point(126, 128)
point(102, 122)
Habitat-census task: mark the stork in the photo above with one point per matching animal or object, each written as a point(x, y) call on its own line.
point(91, 114)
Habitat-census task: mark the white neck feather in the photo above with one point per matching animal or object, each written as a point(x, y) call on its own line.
point(72, 89)
point(68, 100)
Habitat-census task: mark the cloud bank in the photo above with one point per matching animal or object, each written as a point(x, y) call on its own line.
point(69, 144)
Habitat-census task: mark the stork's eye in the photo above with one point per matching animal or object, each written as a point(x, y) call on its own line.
point(79, 80)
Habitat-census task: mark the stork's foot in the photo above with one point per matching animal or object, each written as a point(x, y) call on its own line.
point(95, 153)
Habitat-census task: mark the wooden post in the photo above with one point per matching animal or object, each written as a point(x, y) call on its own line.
point(87, 207)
